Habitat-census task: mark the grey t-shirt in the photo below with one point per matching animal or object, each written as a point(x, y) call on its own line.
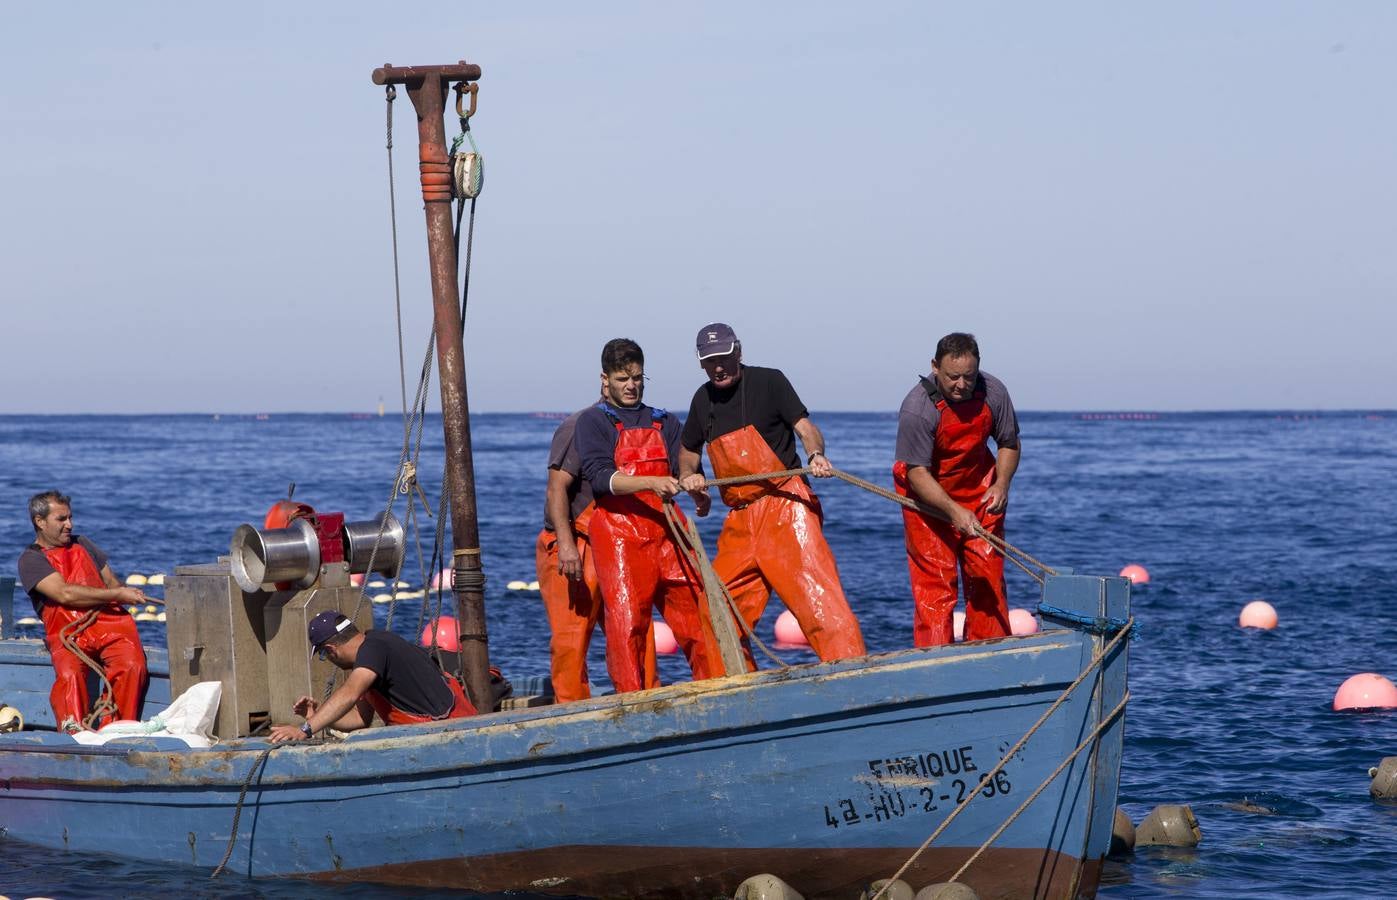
point(562, 455)
point(918, 416)
point(34, 567)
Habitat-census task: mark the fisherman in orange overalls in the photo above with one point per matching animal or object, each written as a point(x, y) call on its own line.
point(772, 537)
point(567, 574)
point(68, 578)
point(944, 460)
point(629, 453)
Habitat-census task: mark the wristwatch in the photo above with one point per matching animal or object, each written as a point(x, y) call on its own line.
point(811, 460)
point(305, 728)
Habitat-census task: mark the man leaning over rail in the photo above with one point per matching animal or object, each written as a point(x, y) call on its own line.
point(944, 460)
point(750, 417)
point(70, 583)
point(387, 675)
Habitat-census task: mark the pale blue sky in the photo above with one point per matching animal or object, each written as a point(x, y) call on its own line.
point(1177, 206)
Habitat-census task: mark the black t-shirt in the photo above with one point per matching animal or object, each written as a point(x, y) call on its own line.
point(762, 398)
point(406, 674)
point(34, 567)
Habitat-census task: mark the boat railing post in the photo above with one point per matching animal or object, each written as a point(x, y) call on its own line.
point(7, 607)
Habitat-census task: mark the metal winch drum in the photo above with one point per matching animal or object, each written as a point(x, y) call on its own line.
point(275, 555)
point(268, 556)
point(360, 539)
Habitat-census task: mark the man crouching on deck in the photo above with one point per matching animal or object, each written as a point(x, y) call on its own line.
point(387, 675)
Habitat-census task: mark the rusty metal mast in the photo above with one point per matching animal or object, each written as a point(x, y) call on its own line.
point(427, 87)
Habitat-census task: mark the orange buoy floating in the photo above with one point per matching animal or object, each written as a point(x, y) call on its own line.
point(1258, 614)
point(788, 631)
point(1137, 574)
point(665, 644)
point(1021, 621)
point(448, 633)
point(1366, 690)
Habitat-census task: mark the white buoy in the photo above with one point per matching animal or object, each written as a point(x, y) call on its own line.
point(517, 586)
point(10, 720)
point(27, 620)
point(1169, 825)
point(381, 598)
point(157, 579)
point(377, 584)
point(896, 889)
point(135, 580)
point(766, 887)
point(533, 586)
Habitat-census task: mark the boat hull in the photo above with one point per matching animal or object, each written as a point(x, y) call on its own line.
point(827, 775)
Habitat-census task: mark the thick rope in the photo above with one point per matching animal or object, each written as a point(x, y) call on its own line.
point(258, 763)
point(689, 542)
point(1062, 698)
point(67, 636)
point(1105, 723)
point(1007, 550)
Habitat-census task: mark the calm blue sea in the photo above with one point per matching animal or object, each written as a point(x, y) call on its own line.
point(1222, 508)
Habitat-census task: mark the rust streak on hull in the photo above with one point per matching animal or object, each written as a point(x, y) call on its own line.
point(704, 872)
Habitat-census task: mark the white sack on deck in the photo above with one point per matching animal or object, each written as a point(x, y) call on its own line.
point(190, 718)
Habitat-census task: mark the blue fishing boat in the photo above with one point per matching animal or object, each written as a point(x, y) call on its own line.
point(994, 763)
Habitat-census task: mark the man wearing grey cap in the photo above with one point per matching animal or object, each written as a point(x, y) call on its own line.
point(772, 538)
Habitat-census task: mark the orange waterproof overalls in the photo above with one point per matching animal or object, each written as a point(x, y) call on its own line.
point(638, 565)
point(573, 609)
point(964, 467)
point(461, 707)
point(111, 639)
point(772, 538)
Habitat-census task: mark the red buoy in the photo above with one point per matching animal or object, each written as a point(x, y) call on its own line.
point(1137, 574)
point(448, 633)
point(1367, 690)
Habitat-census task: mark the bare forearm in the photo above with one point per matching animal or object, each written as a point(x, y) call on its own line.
point(337, 712)
point(811, 438)
point(689, 461)
point(1005, 465)
point(559, 513)
point(929, 491)
point(77, 596)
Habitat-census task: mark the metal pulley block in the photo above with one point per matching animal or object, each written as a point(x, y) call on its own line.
point(468, 171)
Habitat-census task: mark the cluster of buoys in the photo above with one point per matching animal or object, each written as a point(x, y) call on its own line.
point(769, 887)
point(135, 579)
point(522, 586)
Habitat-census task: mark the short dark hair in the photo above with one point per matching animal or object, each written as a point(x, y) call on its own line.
point(39, 505)
point(957, 343)
point(619, 353)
